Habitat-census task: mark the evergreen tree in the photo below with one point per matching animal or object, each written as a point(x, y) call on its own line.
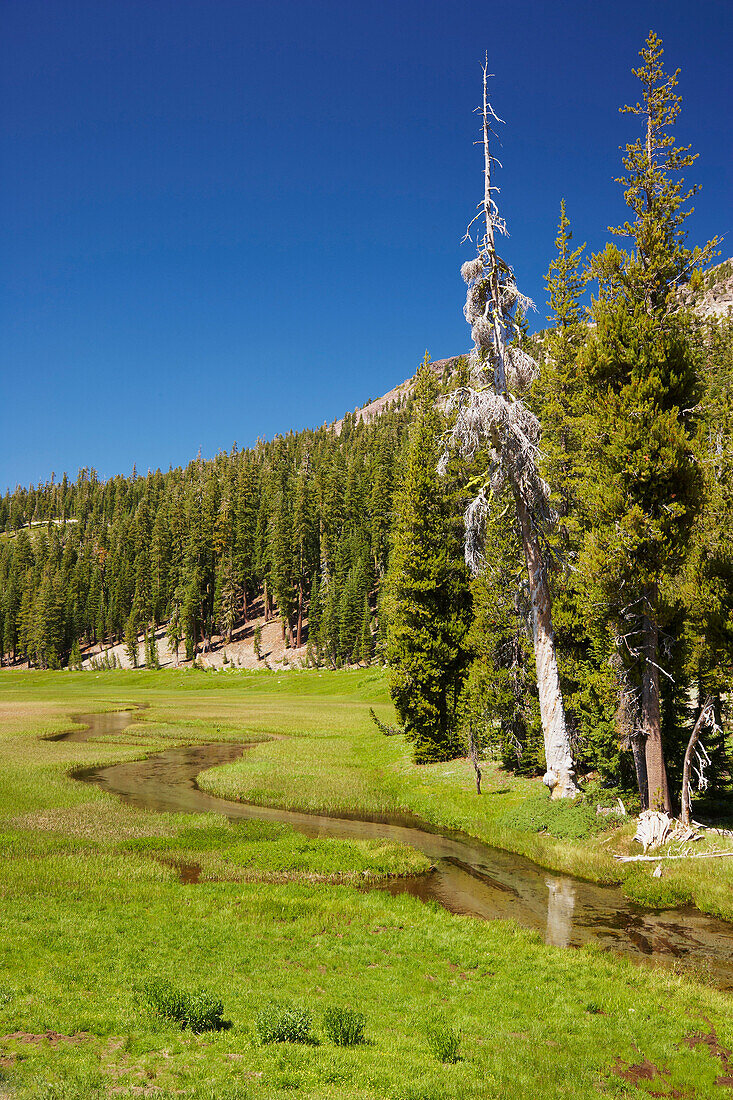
point(131, 646)
point(226, 599)
point(366, 643)
point(707, 583)
point(428, 592)
point(303, 542)
point(174, 633)
point(639, 366)
point(500, 705)
point(75, 657)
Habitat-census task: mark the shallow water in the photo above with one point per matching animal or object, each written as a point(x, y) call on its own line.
point(469, 877)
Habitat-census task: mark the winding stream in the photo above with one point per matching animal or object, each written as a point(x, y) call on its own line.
point(469, 878)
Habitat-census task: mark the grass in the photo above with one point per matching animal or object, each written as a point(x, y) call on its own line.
point(94, 912)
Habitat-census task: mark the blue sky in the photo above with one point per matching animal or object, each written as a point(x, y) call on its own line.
point(223, 220)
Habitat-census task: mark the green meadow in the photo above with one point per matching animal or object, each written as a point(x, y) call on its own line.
point(96, 917)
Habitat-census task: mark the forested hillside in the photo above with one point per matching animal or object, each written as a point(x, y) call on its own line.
point(302, 521)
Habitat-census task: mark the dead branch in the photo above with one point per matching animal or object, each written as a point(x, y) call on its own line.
point(696, 755)
point(685, 855)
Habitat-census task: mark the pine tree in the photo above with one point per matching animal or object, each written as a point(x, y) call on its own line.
point(282, 558)
point(428, 592)
point(131, 646)
point(707, 582)
point(366, 642)
point(315, 614)
point(500, 704)
point(75, 657)
point(303, 542)
point(174, 633)
point(639, 365)
point(226, 599)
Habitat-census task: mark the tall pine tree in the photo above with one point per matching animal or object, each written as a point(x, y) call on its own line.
point(428, 603)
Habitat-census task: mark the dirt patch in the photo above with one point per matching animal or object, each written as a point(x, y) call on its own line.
point(237, 653)
point(54, 1038)
point(636, 1073)
point(710, 1040)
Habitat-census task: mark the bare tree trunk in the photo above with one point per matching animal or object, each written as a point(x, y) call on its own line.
point(473, 753)
point(299, 634)
point(637, 749)
point(706, 717)
point(651, 721)
point(560, 775)
point(244, 602)
point(267, 602)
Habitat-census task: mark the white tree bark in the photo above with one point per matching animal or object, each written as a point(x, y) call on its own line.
point(492, 416)
point(560, 774)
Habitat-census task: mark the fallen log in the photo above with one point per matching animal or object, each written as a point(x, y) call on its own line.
point(685, 855)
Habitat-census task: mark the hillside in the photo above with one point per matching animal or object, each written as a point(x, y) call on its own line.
point(395, 398)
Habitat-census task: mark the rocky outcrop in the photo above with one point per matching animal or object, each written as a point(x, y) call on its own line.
point(714, 300)
point(396, 397)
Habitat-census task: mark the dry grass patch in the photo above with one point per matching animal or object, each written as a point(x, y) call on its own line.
point(101, 821)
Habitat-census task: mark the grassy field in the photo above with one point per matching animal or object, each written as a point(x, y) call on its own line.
point(94, 910)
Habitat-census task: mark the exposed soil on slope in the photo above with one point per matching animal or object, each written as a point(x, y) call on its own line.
point(238, 653)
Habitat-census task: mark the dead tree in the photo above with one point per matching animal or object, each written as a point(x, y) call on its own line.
point(490, 416)
point(696, 758)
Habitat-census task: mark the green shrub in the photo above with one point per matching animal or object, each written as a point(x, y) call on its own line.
point(564, 818)
point(284, 1023)
point(444, 1041)
point(197, 1010)
point(343, 1026)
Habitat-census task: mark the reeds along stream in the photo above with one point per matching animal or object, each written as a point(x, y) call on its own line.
point(469, 877)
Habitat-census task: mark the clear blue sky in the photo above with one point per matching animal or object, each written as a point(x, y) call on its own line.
point(228, 219)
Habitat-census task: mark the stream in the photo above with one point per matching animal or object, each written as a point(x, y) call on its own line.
point(469, 878)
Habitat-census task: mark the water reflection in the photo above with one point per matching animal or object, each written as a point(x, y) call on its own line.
point(560, 908)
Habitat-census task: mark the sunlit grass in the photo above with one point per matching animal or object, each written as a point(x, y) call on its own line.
point(93, 908)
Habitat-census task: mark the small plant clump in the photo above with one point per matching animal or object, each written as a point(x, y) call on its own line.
point(284, 1023)
point(444, 1041)
point(343, 1026)
point(197, 1010)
